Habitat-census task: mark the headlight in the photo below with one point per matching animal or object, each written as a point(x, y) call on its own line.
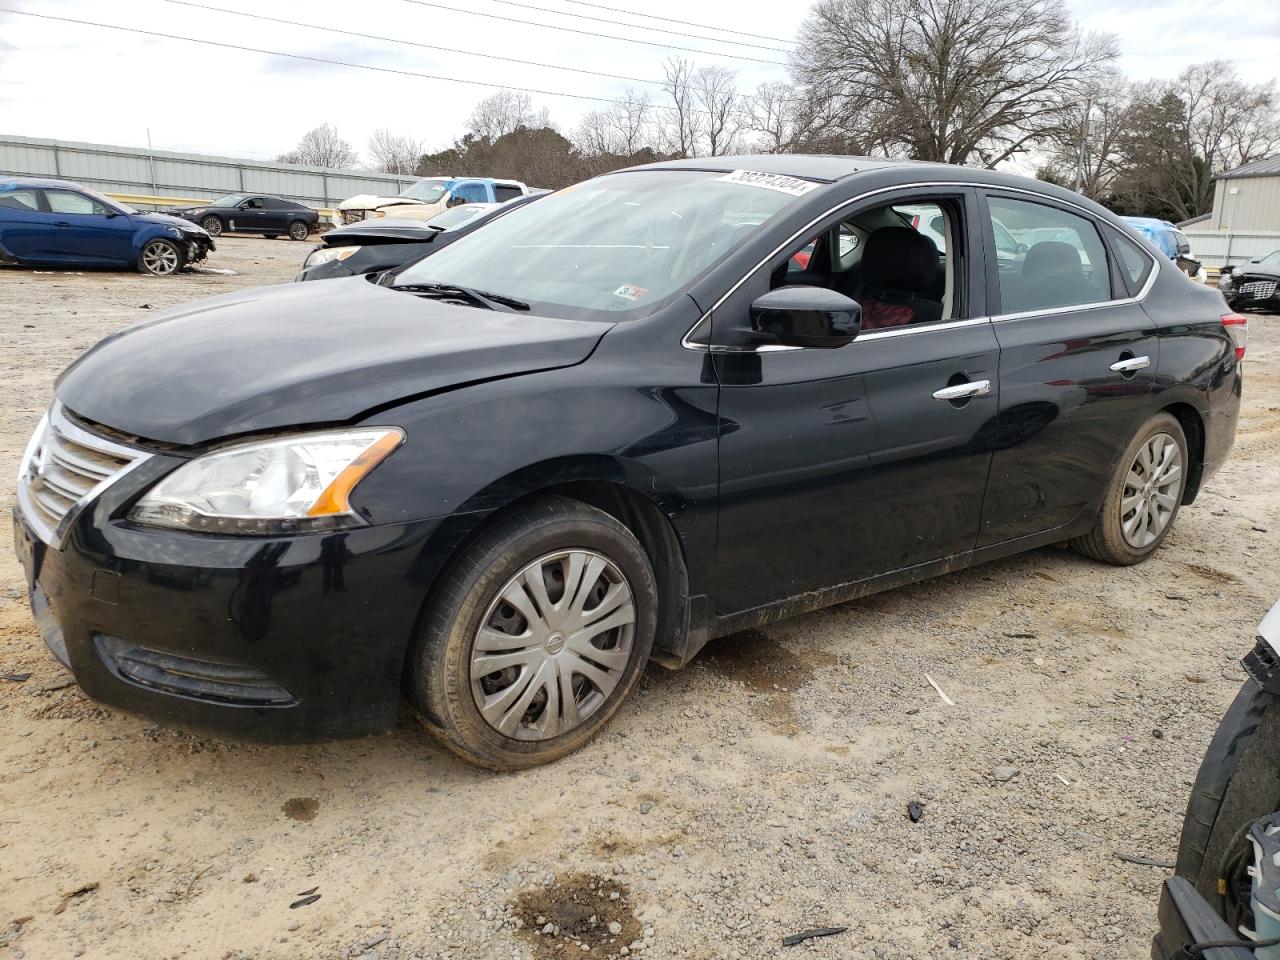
point(281, 486)
point(327, 254)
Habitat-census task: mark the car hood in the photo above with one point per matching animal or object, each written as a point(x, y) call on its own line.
point(163, 218)
point(303, 354)
point(367, 201)
point(397, 228)
point(1256, 270)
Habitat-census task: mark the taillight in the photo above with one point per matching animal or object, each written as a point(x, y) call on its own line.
point(1238, 328)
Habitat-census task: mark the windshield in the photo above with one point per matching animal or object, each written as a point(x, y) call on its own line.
point(455, 217)
point(428, 191)
point(230, 200)
point(624, 243)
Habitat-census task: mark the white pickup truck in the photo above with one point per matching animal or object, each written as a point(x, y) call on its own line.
point(424, 199)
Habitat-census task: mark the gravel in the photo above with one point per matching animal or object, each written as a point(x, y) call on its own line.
point(756, 794)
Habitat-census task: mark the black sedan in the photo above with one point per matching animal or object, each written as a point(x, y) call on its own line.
point(253, 213)
point(382, 244)
point(658, 407)
point(1254, 284)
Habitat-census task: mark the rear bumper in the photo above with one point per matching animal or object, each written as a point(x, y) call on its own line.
point(285, 640)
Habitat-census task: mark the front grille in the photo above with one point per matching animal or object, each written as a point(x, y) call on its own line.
point(1257, 289)
point(63, 468)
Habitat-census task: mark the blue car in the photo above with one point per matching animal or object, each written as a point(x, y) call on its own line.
point(1169, 240)
point(55, 223)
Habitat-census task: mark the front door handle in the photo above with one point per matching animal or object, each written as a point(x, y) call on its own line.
point(963, 391)
point(1131, 364)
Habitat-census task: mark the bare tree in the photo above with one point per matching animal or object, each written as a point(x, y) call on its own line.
point(1183, 133)
point(1088, 151)
point(394, 154)
point(505, 112)
point(322, 147)
point(629, 118)
point(773, 114)
point(958, 81)
point(716, 95)
point(682, 125)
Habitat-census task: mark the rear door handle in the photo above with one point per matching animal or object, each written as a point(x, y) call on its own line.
point(1130, 365)
point(963, 391)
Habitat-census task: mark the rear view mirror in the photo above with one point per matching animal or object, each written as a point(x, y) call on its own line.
point(806, 317)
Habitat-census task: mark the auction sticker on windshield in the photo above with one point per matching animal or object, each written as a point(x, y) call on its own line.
point(771, 181)
point(629, 291)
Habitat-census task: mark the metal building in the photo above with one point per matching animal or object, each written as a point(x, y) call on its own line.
point(1248, 198)
point(188, 176)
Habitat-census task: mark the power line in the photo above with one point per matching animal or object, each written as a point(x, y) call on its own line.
point(638, 26)
point(410, 43)
point(313, 59)
point(654, 16)
point(589, 33)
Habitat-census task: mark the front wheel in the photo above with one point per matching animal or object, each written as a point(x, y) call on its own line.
point(159, 258)
point(298, 230)
point(1142, 496)
point(538, 635)
point(212, 226)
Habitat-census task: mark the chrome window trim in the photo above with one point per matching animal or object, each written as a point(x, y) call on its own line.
point(55, 418)
point(929, 184)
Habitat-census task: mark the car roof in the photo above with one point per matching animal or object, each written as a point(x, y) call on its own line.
point(12, 183)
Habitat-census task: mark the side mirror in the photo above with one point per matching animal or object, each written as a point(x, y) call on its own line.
point(455, 202)
point(806, 317)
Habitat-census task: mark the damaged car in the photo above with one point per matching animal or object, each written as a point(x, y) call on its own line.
point(426, 198)
point(610, 426)
point(1223, 903)
point(1255, 284)
point(54, 223)
point(383, 244)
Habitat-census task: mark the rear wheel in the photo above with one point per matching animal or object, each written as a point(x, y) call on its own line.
point(159, 257)
point(298, 230)
point(539, 633)
point(212, 226)
point(1142, 497)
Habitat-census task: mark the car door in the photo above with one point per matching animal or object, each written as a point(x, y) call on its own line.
point(837, 465)
point(26, 226)
point(278, 214)
point(250, 216)
point(1078, 360)
point(87, 230)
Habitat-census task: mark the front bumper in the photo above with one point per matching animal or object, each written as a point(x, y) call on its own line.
point(289, 639)
point(1256, 292)
point(1186, 918)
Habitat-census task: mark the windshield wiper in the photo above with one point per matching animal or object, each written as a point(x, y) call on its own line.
point(481, 298)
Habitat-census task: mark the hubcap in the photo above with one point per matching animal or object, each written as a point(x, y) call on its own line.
point(160, 257)
point(553, 645)
point(1152, 489)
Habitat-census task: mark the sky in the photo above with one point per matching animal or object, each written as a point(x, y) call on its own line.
point(75, 82)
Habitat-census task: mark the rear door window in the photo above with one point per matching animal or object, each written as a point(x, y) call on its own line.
point(1059, 259)
point(504, 192)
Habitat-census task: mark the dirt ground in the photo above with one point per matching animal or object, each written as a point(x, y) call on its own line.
point(761, 792)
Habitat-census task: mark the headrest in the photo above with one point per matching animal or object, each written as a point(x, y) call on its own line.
point(1050, 258)
point(899, 258)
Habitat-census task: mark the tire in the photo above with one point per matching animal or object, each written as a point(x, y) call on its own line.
point(1123, 534)
point(526, 728)
point(1236, 784)
point(212, 226)
point(160, 258)
point(298, 230)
